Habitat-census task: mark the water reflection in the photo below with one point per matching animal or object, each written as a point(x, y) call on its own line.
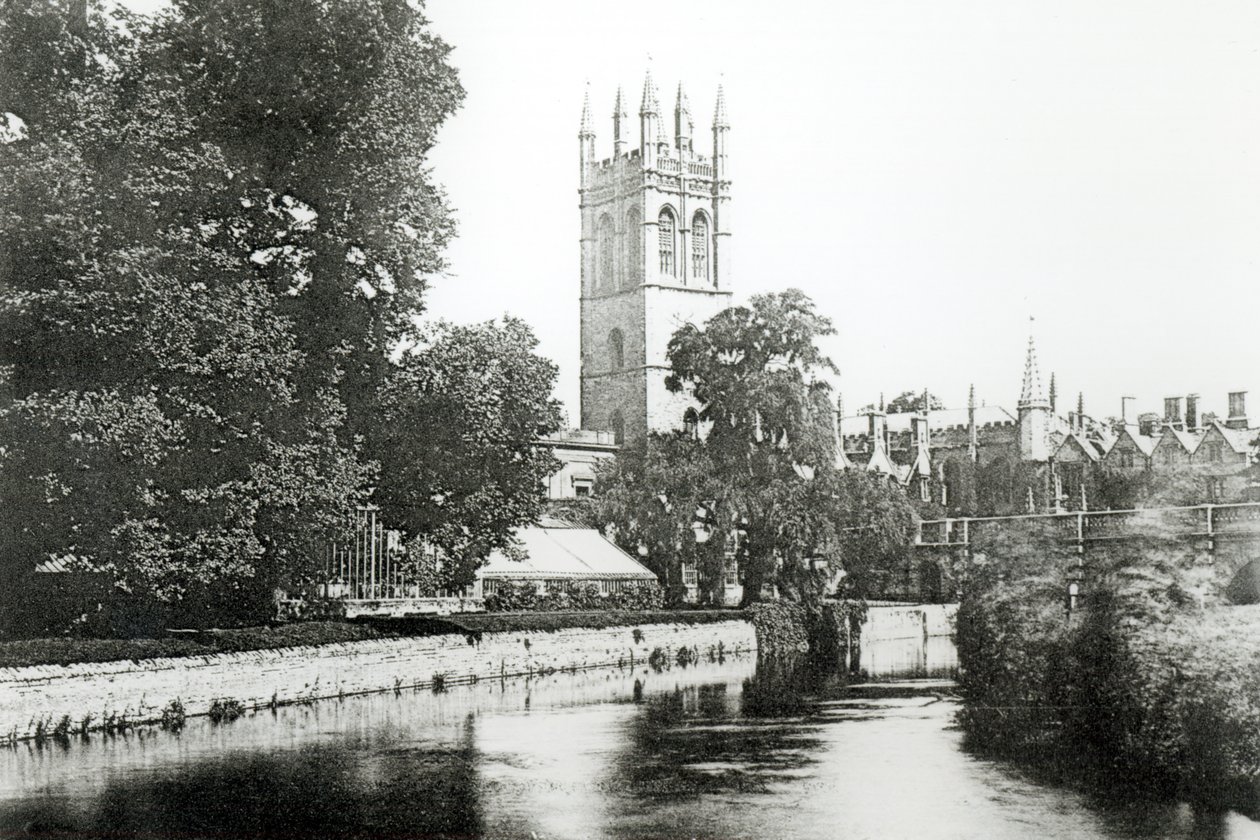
point(716, 750)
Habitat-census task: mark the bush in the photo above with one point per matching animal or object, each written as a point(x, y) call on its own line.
point(561, 596)
point(510, 622)
point(173, 715)
point(225, 710)
point(781, 628)
point(1142, 682)
point(66, 651)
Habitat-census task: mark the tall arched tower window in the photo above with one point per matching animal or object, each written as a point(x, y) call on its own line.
point(700, 247)
point(666, 227)
point(616, 350)
point(634, 247)
point(607, 253)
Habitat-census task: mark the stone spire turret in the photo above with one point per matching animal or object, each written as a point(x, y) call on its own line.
point(586, 139)
point(1031, 394)
point(682, 121)
point(620, 123)
point(720, 120)
point(722, 193)
point(649, 117)
point(1034, 412)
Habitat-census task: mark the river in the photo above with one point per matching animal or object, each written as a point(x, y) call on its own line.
point(716, 750)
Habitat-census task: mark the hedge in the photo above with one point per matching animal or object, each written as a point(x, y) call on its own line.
point(66, 651)
point(523, 621)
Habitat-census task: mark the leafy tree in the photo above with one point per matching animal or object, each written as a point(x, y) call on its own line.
point(757, 373)
point(214, 227)
point(875, 524)
point(908, 401)
point(762, 482)
point(460, 418)
point(648, 499)
point(1166, 486)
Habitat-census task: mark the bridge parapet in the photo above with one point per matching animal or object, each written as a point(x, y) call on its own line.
point(1207, 522)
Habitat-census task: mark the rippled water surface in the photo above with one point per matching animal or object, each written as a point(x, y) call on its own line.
point(717, 750)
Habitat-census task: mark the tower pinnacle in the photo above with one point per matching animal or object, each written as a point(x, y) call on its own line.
point(649, 105)
point(720, 120)
point(620, 118)
point(682, 119)
point(586, 129)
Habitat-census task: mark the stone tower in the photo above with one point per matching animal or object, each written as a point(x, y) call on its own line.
point(1034, 412)
point(655, 255)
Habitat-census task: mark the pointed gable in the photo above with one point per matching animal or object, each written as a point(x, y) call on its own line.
point(1223, 445)
point(1077, 448)
point(1174, 447)
point(1130, 450)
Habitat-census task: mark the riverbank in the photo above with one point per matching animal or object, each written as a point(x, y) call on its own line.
point(58, 700)
point(122, 684)
point(1147, 675)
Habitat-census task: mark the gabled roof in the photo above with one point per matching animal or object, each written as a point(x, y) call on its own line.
point(1144, 443)
point(1239, 440)
point(1084, 445)
point(922, 465)
point(842, 460)
point(555, 549)
point(880, 462)
point(1187, 441)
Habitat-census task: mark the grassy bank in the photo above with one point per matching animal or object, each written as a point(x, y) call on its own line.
point(65, 651)
point(1152, 679)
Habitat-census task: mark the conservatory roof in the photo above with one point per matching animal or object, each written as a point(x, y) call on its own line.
point(557, 550)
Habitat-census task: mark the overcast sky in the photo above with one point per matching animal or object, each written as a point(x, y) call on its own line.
point(931, 174)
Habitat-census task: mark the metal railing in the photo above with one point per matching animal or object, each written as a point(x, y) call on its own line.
point(369, 567)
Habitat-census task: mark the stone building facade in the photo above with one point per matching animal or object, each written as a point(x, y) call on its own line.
point(655, 254)
point(1036, 460)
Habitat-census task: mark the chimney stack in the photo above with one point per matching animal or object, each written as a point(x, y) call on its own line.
point(1237, 410)
point(1172, 413)
point(1192, 412)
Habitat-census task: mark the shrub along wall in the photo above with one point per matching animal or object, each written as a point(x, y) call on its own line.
point(559, 596)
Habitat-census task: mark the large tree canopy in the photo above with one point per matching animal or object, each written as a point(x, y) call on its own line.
point(216, 224)
point(458, 435)
point(762, 481)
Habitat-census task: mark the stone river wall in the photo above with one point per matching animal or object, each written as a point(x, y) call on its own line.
point(34, 700)
point(886, 623)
